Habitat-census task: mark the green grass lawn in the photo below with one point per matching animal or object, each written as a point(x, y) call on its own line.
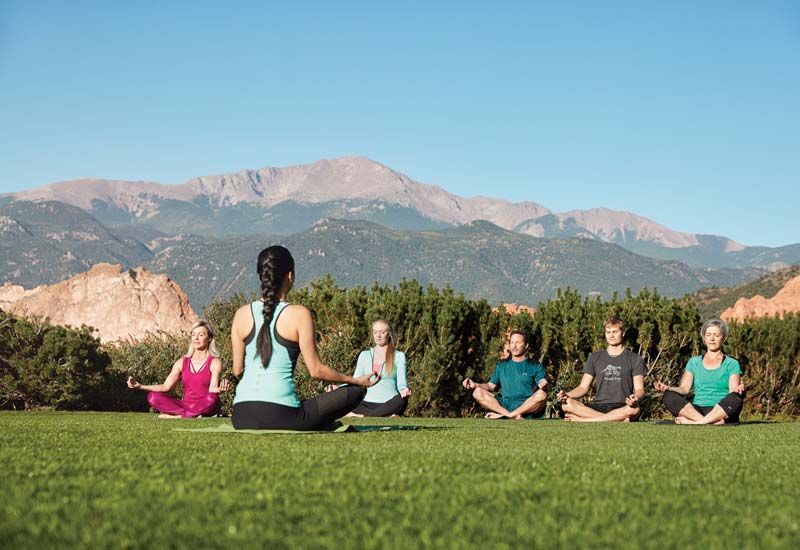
point(113, 480)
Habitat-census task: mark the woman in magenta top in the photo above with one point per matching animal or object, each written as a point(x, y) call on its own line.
point(199, 371)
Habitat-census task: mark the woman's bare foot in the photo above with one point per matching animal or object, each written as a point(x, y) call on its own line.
point(354, 415)
point(164, 415)
point(494, 416)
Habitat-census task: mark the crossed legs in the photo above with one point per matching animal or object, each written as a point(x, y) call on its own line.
point(727, 409)
point(531, 406)
point(170, 407)
point(396, 406)
point(575, 411)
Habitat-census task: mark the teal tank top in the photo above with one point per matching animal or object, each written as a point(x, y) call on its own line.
point(275, 383)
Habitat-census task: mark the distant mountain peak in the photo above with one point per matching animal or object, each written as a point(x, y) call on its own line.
point(289, 199)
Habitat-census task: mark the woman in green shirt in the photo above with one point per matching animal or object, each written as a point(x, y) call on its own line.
point(716, 379)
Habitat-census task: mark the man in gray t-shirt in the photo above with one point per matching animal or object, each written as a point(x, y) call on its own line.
point(619, 377)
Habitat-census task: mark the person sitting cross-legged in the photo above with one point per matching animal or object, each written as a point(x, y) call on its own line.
point(389, 397)
point(716, 379)
point(268, 336)
point(619, 375)
point(199, 371)
point(521, 381)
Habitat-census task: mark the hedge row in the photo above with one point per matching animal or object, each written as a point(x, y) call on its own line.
point(446, 337)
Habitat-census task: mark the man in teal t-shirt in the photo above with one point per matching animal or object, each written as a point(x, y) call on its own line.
point(521, 381)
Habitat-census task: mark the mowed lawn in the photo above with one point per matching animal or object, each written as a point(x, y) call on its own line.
point(108, 480)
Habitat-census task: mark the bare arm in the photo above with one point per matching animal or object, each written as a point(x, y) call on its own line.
point(638, 386)
point(470, 384)
point(683, 388)
point(215, 386)
point(735, 384)
point(638, 391)
point(240, 329)
point(299, 319)
point(170, 382)
point(576, 393)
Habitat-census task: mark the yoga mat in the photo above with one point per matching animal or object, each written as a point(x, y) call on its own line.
point(347, 428)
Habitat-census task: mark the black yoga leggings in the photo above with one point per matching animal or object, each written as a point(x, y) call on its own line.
point(396, 405)
point(317, 413)
point(731, 404)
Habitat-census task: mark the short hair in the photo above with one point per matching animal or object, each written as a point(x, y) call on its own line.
point(513, 332)
point(722, 325)
point(614, 321)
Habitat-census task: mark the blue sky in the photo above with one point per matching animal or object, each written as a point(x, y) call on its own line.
point(684, 112)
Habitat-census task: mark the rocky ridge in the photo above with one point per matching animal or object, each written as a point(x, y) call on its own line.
point(118, 304)
point(787, 300)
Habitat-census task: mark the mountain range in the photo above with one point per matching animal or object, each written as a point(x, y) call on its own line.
point(363, 223)
point(45, 242)
point(285, 201)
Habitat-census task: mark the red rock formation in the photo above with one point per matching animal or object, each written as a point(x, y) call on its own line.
point(514, 309)
point(118, 304)
point(787, 300)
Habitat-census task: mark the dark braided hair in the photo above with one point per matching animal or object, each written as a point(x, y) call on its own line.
point(274, 263)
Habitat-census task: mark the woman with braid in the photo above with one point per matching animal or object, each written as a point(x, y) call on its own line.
point(267, 337)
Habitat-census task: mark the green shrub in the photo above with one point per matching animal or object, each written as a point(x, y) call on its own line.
point(445, 337)
point(149, 360)
point(448, 337)
point(45, 365)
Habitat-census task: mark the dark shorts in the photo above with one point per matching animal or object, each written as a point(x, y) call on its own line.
point(731, 404)
point(511, 404)
point(608, 407)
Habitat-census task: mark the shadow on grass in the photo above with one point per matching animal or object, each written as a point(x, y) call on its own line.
point(731, 425)
point(346, 428)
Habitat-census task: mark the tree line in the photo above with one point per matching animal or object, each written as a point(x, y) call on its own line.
point(446, 337)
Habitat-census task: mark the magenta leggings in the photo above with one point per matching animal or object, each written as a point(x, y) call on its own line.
point(206, 406)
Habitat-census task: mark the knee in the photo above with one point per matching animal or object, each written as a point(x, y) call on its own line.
point(568, 405)
point(731, 404)
point(479, 393)
point(735, 398)
point(632, 413)
point(673, 401)
point(152, 398)
point(210, 403)
point(355, 393)
point(211, 399)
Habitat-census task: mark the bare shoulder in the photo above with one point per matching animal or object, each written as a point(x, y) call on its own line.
point(243, 311)
point(297, 311)
point(216, 364)
point(242, 322)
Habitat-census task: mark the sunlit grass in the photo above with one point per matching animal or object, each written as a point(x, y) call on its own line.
point(129, 480)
